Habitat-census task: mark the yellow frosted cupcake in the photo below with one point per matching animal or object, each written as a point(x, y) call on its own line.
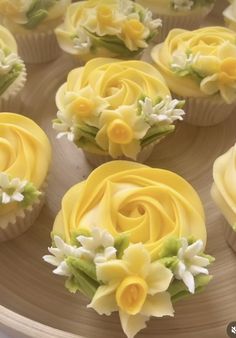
point(113, 109)
point(187, 14)
point(25, 154)
point(200, 66)
point(230, 15)
point(223, 192)
point(107, 28)
point(131, 238)
point(12, 72)
point(32, 22)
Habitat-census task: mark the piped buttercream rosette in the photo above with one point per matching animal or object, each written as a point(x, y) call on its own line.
point(200, 66)
point(25, 157)
point(115, 107)
point(132, 239)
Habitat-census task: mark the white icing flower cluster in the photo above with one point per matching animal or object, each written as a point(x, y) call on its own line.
point(11, 190)
point(165, 112)
point(7, 62)
point(182, 61)
point(190, 263)
point(98, 248)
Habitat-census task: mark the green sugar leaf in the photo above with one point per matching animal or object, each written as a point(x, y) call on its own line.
point(84, 283)
point(121, 243)
point(88, 268)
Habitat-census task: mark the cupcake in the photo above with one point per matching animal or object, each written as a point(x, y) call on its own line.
point(230, 16)
point(32, 22)
point(115, 109)
point(200, 66)
point(109, 28)
point(224, 194)
point(25, 157)
point(131, 238)
point(187, 14)
point(12, 72)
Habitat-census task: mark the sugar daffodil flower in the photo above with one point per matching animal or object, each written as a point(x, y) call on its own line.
point(135, 287)
point(121, 131)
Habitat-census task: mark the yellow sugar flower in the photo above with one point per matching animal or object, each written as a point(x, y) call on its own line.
point(103, 20)
point(121, 130)
point(134, 34)
point(82, 106)
point(134, 286)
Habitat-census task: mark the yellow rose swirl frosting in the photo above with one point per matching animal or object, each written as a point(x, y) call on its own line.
point(199, 63)
point(115, 107)
point(223, 190)
point(24, 161)
point(131, 238)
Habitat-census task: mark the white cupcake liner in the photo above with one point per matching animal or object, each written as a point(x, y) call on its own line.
point(230, 236)
point(15, 225)
point(189, 21)
point(10, 100)
point(38, 47)
point(205, 111)
point(96, 159)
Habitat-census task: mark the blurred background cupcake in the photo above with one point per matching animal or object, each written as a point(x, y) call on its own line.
point(23, 177)
point(230, 15)
point(110, 28)
point(200, 67)
point(187, 14)
point(12, 73)
point(224, 193)
point(115, 109)
point(32, 22)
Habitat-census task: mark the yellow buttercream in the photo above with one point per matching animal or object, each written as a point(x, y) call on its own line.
point(223, 190)
point(110, 28)
point(7, 40)
point(124, 197)
point(105, 94)
point(25, 152)
point(131, 294)
point(213, 53)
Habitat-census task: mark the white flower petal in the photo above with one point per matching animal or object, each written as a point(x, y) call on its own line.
point(51, 260)
point(196, 270)
point(18, 197)
point(189, 281)
point(194, 249)
point(5, 198)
